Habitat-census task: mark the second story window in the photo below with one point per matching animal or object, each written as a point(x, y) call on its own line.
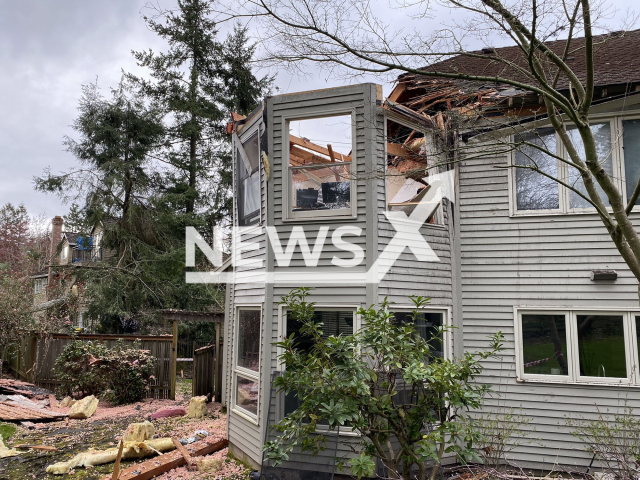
point(319, 165)
point(248, 181)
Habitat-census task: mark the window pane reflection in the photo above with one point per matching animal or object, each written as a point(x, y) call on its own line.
point(602, 136)
point(533, 190)
point(544, 344)
point(249, 339)
point(247, 394)
point(631, 146)
point(601, 346)
point(427, 325)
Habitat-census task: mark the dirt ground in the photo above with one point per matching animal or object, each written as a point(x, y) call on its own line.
point(104, 429)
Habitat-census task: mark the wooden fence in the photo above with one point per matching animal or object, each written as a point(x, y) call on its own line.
point(34, 359)
point(207, 376)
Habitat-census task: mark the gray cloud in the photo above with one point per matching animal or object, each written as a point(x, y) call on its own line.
point(48, 49)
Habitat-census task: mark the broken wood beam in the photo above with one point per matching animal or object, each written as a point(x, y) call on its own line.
point(163, 463)
point(184, 452)
point(116, 468)
point(301, 142)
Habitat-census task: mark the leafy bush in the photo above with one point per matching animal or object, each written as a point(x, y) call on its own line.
point(73, 369)
point(120, 374)
point(387, 384)
point(615, 441)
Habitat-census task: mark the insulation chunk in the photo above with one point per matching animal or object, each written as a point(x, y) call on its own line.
point(139, 432)
point(197, 407)
point(84, 408)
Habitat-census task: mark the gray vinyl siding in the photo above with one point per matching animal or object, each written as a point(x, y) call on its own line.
point(534, 261)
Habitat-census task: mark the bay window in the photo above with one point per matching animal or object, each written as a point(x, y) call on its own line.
point(247, 361)
point(577, 346)
point(318, 173)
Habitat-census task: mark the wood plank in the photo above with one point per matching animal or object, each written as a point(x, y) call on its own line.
point(163, 463)
point(184, 452)
point(301, 142)
point(397, 91)
point(174, 353)
point(11, 412)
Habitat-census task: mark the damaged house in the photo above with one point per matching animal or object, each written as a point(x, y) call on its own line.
point(516, 252)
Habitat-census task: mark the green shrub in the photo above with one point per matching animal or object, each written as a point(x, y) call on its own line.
point(73, 369)
point(120, 374)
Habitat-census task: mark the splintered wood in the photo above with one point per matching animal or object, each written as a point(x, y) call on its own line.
point(163, 463)
point(17, 408)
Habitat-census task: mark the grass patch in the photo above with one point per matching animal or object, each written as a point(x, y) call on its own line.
point(6, 431)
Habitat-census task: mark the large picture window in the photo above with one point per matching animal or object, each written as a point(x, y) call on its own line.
point(534, 191)
point(248, 180)
point(247, 361)
point(320, 154)
point(577, 346)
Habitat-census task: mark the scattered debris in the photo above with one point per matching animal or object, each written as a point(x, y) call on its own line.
point(29, 425)
point(9, 386)
point(184, 452)
point(45, 448)
point(100, 457)
point(169, 412)
point(169, 461)
point(84, 408)
point(199, 435)
point(7, 452)
point(116, 469)
point(67, 402)
point(197, 407)
point(139, 432)
point(17, 408)
point(208, 464)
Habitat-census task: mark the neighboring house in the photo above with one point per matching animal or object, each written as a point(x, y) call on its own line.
point(516, 253)
point(68, 249)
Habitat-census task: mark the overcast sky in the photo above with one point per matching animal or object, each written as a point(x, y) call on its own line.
point(48, 49)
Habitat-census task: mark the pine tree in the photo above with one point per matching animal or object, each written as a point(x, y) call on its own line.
point(243, 90)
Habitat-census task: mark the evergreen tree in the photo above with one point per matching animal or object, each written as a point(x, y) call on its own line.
point(76, 220)
point(243, 90)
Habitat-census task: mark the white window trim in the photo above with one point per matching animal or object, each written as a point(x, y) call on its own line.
point(65, 252)
point(252, 128)
point(439, 214)
point(617, 158)
point(244, 372)
point(623, 174)
point(574, 377)
point(288, 215)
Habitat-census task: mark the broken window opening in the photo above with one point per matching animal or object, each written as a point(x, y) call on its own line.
point(407, 169)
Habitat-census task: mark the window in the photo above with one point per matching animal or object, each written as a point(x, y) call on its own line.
point(534, 191)
point(602, 136)
point(334, 322)
point(248, 181)
point(39, 285)
point(427, 325)
point(631, 148)
point(407, 171)
point(247, 363)
point(577, 346)
point(319, 167)
point(65, 252)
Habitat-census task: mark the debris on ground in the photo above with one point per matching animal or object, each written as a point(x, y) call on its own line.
point(67, 402)
point(208, 464)
point(7, 452)
point(139, 432)
point(44, 448)
point(16, 408)
point(169, 412)
point(100, 457)
point(10, 386)
point(84, 408)
point(197, 407)
point(169, 461)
